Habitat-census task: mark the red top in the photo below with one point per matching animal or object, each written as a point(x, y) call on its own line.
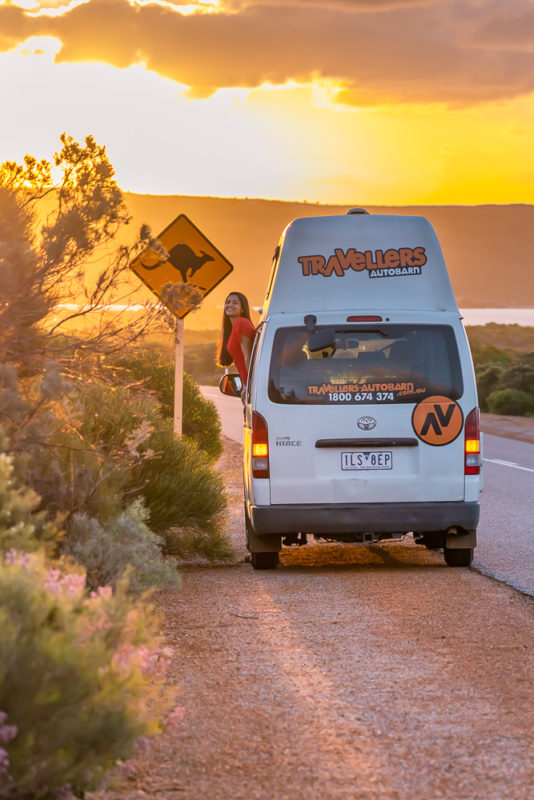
point(241, 327)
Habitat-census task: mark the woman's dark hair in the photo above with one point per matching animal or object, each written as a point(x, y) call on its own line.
point(223, 357)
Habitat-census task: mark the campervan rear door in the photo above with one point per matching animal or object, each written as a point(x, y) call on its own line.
point(379, 419)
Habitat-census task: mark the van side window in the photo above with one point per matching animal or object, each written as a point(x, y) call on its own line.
point(392, 364)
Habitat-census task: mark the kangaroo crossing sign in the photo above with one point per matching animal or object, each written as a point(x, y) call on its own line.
point(193, 259)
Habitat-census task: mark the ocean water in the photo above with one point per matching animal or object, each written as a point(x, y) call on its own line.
point(503, 316)
point(471, 316)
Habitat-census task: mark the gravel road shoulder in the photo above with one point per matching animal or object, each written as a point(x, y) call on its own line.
point(521, 428)
point(350, 672)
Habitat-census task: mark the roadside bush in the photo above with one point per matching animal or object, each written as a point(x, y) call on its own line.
point(200, 419)
point(125, 546)
point(155, 370)
point(190, 542)
point(488, 378)
point(21, 526)
point(179, 486)
point(511, 401)
point(89, 466)
point(199, 361)
point(520, 375)
point(80, 679)
point(489, 354)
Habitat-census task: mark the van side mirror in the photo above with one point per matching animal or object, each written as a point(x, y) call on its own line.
point(322, 344)
point(231, 385)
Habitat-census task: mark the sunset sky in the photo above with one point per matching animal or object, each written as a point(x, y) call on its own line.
point(337, 101)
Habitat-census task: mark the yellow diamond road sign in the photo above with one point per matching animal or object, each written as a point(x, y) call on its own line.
point(193, 259)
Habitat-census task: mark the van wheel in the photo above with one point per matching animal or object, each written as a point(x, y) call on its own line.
point(264, 560)
point(458, 558)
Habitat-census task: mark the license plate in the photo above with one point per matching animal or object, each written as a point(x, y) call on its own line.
point(374, 459)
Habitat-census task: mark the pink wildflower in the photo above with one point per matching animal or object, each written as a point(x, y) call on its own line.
point(71, 584)
point(150, 661)
point(7, 732)
point(105, 592)
point(4, 764)
point(13, 557)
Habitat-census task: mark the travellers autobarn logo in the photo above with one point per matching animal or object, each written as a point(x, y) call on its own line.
point(392, 263)
point(437, 420)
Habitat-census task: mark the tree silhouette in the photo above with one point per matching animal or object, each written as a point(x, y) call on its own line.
point(45, 264)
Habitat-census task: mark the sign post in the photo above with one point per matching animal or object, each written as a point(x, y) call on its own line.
point(191, 260)
point(178, 375)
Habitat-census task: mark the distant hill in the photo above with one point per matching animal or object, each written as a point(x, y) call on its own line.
point(489, 249)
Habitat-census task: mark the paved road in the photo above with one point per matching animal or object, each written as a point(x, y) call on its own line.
point(506, 531)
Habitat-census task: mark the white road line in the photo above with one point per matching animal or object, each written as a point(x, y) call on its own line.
point(508, 464)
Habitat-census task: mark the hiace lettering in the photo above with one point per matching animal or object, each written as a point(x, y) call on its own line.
point(380, 264)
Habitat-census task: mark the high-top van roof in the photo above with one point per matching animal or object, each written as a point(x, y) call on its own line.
point(359, 261)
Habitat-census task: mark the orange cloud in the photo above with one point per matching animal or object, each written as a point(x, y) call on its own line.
point(395, 51)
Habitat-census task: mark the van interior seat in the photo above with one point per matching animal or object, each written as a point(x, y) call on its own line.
point(401, 357)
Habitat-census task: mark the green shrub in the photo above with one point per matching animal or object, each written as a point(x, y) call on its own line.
point(200, 418)
point(21, 526)
point(488, 378)
point(188, 543)
point(520, 375)
point(489, 354)
point(123, 546)
point(511, 401)
point(104, 429)
point(199, 362)
point(179, 486)
point(155, 370)
point(80, 679)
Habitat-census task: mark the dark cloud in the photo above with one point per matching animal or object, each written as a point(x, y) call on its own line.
point(433, 51)
point(509, 24)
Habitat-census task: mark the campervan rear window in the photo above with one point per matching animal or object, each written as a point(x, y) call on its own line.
point(383, 364)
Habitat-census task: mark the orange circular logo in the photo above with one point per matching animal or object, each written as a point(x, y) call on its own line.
point(437, 420)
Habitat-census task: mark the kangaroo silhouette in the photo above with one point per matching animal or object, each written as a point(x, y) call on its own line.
point(184, 260)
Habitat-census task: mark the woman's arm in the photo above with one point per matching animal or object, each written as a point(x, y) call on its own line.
point(246, 349)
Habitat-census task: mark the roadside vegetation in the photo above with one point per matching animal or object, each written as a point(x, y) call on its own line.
point(199, 360)
point(504, 366)
point(97, 495)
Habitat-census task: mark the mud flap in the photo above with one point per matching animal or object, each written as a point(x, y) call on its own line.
point(462, 540)
point(262, 544)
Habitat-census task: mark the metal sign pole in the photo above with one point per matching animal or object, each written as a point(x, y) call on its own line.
point(178, 376)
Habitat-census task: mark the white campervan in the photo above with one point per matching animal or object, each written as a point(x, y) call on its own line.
point(361, 415)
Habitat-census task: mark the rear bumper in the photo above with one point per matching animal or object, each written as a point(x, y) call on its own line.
point(363, 517)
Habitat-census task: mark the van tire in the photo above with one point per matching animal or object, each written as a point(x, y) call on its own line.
point(264, 560)
point(458, 558)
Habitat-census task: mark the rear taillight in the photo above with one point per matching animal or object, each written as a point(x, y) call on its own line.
point(260, 447)
point(473, 459)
